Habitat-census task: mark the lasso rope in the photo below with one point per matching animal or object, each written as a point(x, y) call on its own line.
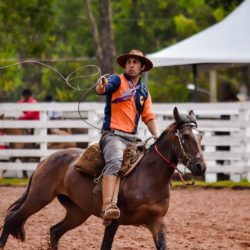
point(71, 78)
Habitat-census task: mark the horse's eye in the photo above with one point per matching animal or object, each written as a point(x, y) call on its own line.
point(185, 136)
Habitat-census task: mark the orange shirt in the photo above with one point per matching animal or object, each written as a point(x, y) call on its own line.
point(125, 115)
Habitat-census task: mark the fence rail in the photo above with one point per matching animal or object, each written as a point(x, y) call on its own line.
point(225, 128)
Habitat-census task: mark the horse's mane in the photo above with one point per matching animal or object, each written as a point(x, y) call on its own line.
point(169, 132)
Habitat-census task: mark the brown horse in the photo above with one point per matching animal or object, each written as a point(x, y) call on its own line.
point(25, 145)
point(18, 145)
point(51, 145)
point(23, 131)
point(144, 194)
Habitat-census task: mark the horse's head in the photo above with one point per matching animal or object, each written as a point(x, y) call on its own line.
point(188, 144)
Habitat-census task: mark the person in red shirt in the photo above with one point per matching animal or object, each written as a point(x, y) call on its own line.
point(127, 99)
point(3, 145)
point(28, 98)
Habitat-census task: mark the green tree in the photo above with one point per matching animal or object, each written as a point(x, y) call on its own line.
point(25, 27)
point(60, 31)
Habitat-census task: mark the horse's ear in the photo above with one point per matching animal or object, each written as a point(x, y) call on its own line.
point(176, 114)
point(192, 114)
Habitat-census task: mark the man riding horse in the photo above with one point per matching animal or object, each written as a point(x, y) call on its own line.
point(126, 100)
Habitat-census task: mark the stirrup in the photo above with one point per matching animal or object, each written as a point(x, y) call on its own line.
point(111, 212)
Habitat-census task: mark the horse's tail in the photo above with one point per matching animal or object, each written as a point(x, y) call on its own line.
point(12, 224)
point(17, 204)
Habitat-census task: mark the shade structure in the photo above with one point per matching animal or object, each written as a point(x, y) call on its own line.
point(225, 42)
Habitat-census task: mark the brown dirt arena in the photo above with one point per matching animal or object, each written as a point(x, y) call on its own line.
point(197, 219)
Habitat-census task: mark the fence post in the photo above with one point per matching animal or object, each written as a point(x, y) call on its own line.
point(210, 177)
point(92, 132)
point(236, 176)
point(243, 147)
point(43, 131)
point(245, 114)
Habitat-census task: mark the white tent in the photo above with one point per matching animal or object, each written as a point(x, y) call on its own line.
point(225, 42)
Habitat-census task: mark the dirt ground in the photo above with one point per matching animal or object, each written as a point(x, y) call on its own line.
point(198, 219)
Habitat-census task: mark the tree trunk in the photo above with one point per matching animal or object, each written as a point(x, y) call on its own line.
point(105, 48)
point(108, 46)
point(94, 31)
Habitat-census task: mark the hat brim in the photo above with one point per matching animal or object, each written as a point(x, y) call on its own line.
point(121, 60)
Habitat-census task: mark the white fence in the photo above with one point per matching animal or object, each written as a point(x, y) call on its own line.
point(225, 128)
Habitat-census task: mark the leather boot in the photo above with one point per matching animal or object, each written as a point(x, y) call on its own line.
point(110, 211)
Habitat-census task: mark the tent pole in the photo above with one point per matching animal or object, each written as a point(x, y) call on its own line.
point(213, 86)
point(194, 71)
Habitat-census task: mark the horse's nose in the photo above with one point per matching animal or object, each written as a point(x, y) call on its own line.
point(201, 167)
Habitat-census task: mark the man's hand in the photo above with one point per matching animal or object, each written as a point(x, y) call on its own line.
point(102, 83)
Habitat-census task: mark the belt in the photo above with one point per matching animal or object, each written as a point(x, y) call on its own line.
point(128, 136)
point(117, 131)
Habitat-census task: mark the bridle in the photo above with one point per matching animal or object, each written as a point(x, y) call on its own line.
point(184, 154)
point(178, 134)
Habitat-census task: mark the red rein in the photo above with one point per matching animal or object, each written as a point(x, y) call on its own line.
point(171, 164)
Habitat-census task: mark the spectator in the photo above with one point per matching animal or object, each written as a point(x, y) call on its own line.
point(28, 98)
point(3, 145)
point(53, 115)
point(242, 97)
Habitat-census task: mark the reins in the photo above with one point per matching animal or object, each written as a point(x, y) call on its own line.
point(174, 165)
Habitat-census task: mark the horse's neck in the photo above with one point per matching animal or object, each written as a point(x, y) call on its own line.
point(167, 151)
point(153, 172)
point(15, 131)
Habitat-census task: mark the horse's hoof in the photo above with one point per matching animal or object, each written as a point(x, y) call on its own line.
point(1, 246)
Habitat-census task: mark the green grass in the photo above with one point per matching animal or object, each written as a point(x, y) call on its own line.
point(13, 182)
point(219, 184)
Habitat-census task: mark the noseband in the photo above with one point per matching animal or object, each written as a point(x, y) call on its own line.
point(184, 154)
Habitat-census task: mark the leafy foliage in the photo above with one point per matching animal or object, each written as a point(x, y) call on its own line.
point(49, 29)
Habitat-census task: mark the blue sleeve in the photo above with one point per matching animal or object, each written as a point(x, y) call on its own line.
point(114, 83)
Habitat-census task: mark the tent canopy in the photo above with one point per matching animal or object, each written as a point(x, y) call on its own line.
point(225, 42)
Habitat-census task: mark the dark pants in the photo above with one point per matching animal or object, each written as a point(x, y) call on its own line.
point(113, 144)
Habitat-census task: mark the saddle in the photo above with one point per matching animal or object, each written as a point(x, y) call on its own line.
point(91, 161)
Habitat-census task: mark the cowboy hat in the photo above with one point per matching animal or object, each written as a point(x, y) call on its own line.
point(121, 60)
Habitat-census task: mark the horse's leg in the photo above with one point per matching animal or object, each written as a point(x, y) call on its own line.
point(15, 220)
point(109, 234)
point(4, 237)
point(74, 217)
point(29, 203)
point(160, 240)
point(25, 174)
point(157, 229)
